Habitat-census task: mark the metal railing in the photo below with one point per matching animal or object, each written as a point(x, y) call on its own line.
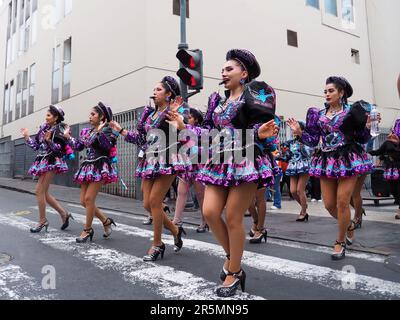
point(127, 159)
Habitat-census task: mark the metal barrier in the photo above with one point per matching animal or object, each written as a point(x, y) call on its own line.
point(127, 159)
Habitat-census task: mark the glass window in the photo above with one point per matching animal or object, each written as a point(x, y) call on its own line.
point(6, 103)
point(24, 92)
point(348, 11)
point(8, 51)
point(56, 76)
point(331, 7)
point(67, 69)
point(21, 13)
point(28, 10)
point(26, 38)
point(313, 3)
point(12, 101)
point(32, 80)
point(34, 27)
point(67, 7)
point(14, 47)
point(57, 10)
point(18, 101)
point(34, 5)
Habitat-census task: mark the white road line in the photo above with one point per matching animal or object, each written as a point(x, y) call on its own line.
point(163, 280)
point(292, 244)
point(15, 284)
point(320, 275)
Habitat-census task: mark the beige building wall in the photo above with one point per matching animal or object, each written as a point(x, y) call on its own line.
point(121, 48)
point(384, 31)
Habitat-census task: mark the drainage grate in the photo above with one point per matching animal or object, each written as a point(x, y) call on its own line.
point(4, 258)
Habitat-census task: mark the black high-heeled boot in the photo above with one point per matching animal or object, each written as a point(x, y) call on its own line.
point(107, 227)
point(178, 239)
point(156, 252)
point(224, 272)
point(260, 238)
point(89, 235)
point(230, 291)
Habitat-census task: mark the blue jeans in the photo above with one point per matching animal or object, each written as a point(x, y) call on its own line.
point(277, 192)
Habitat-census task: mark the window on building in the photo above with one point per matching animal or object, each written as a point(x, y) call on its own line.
point(176, 7)
point(67, 7)
point(12, 101)
point(24, 93)
point(292, 38)
point(55, 94)
point(26, 37)
point(58, 10)
point(331, 7)
point(313, 3)
point(18, 99)
point(32, 81)
point(34, 23)
point(34, 5)
point(66, 88)
point(8, 52)
point(27, 10)
point(348, 11)
point(6, 104)
point(15, 15)
point(355, 56)
point(14, 47)
point(21, 13)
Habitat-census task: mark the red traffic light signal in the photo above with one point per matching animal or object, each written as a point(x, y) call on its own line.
point(192, 72)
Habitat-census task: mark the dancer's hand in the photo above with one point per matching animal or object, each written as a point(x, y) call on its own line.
point(369, 121)
point(268, 130)
point(295, 126)
point(115, 126)
point(25, 133)
point(67, 132)
point(176, 103)
point(101, 126)
point(176, 120)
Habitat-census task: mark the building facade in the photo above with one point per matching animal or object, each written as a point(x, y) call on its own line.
point(76, 53)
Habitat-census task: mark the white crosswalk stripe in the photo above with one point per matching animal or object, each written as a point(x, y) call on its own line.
point(166, 281)
point(320, 275)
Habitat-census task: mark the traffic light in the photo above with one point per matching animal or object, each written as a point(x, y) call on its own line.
point(192, 72)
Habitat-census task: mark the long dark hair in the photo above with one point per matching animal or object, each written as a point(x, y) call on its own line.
point(197, 115)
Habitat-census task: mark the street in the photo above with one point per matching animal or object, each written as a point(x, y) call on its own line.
point(53, 266)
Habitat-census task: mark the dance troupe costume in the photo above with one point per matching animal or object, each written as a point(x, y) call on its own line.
point(390, 154)
point(341, 154)
point(52, 153)
point(255, 107)
point(99, 164)
point(165, 161)
point(299, 158)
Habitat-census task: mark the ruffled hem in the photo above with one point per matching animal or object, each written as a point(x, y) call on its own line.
point(44, 165)
point(392, 174)
point(97, 172)
point(229, 175)
point(151, 169)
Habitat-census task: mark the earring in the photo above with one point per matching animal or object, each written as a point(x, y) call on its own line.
point(242, 81)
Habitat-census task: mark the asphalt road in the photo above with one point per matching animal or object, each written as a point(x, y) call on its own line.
point(52, 266)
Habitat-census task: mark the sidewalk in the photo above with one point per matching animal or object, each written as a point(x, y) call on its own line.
point(380, 233)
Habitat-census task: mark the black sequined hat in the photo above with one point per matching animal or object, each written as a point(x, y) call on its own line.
point(105, 110)
point(172, 86)
point(60, 112)
point(342, 83)
point(247, 60)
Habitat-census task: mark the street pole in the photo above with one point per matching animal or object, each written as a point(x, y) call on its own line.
point(183, 45)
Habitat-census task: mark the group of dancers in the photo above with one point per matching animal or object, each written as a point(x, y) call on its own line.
point(228, 186)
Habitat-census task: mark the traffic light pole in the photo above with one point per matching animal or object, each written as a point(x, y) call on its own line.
point(183, 45)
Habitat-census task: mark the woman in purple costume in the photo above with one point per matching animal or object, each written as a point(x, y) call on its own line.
point(341, 159)
point(51, 145)
point(390, 156)
point(159, 170)
point(230, 184)
point(98, 167)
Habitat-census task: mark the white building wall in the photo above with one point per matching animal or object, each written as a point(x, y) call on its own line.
point(121, 48)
